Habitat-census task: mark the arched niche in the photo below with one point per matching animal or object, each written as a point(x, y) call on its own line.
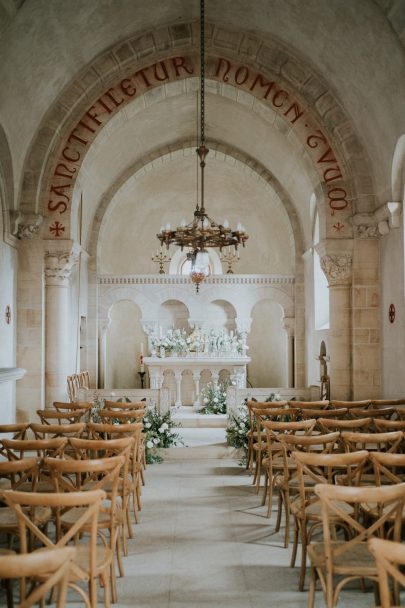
point(267, 343)
point(123, 345)
point(173, 314)
point(220, 314)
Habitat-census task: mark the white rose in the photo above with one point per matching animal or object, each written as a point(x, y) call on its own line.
point(164, 427)
point(148, 425)
point(205, 400)
point(149, 444)
point(156, 440)
point(215, 399)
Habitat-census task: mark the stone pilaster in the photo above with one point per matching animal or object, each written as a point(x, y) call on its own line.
point(59, 262)
point(289, 327)
point(338, 271)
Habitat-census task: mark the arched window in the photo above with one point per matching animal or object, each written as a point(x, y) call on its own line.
point(321, 291)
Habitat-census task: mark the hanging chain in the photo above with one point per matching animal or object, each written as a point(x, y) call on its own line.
point(202, 71)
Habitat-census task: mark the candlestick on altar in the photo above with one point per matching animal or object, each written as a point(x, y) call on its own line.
point(142, 377)
point(229, 257)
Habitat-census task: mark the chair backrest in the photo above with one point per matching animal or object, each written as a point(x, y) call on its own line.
point(261, 405)
point(73, 475)
point(387, 442)
point(322, 444)
point(47, 569)
point(323, 468)
point(99, 430)
point(19, 472)
point(388, 468)
point(383, 402)
point(335, 413)
point(89, 504)
point(309, 405)
point(124, 416)
point(48, 416)
point(124, 405)
point(330, 424)
point(389, 557)
point(382, 412)
point(18, 430)
point(16, 449)
point(44, 431)
point(275, 427)
point(343, 502)
point(383, 426)
point(63, 406)
point(350, 404)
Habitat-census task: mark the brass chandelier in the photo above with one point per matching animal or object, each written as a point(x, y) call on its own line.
point(202, 232)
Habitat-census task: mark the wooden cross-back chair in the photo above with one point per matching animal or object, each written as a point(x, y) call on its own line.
point(49, 416)
point(284, 473)
point(390, 559)
point(116, 431)
point(19, 474)
point(13, 431)
point(46, 570)
point(350, 559)
point(51, 431)
point(274, 461)
point(252, 433)
point(92, 560)
point(385, 442)
point(93, 474)
point(314, 468)
point(18, 449)
point(84, 449)
point(122, 416)
point(383, 426)
point(261, 446)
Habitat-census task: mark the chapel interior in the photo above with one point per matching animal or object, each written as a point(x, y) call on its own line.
point(100, 119)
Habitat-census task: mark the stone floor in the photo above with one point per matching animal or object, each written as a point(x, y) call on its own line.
point(203, 541)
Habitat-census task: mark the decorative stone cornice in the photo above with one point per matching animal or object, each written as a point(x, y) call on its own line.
point(378, 223)
point(59, 266)
point(24, 226)
point(337, 268)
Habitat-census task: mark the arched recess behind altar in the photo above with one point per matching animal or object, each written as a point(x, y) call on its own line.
point(267, 346)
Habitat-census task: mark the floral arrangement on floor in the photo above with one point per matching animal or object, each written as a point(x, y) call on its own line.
point(159, 433)
point(214, 398)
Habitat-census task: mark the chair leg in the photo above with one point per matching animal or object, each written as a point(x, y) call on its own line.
point(303, 556)
point(295, 542)
point(265, 489)
point(312, 588)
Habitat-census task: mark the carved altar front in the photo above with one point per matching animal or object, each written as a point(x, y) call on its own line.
point(157, 366)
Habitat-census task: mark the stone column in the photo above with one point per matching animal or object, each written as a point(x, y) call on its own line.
point(288, 326)
point(102, 352)
point(58, 335)
point(215, 378)
point(338, 271)
point(196, 378)
point(178, 378)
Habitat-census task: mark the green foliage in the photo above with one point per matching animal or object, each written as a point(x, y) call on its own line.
point(237, 429)
point(214, 399)
point(159, 433)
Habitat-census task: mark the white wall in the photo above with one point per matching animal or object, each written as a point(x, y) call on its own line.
point(124, 337)
point(8, 278)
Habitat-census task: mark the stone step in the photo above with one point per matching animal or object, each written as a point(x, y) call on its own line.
point(189, 418)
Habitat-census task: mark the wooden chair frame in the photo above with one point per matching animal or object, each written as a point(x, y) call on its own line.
point(48, 569)
point(389, 556)
point(92, 563)
point(350, 559)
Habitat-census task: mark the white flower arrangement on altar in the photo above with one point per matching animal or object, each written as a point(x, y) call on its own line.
point(208, 343)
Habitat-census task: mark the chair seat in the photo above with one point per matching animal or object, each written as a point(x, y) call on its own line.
point(40, 486)
point(313, 510)
point(372, 510)
point(358, 561)
point(8, 518)
point(104, 557)
point(69, 518)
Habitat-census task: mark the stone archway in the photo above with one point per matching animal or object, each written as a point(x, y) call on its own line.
point(265, 68)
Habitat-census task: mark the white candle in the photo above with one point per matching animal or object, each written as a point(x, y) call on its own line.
point(160, 331)
point(141, 348)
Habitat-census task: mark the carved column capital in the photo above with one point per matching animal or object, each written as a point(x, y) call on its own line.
point(289, 325)
point(337, 268)
point(23, 225)
point(59, 266)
